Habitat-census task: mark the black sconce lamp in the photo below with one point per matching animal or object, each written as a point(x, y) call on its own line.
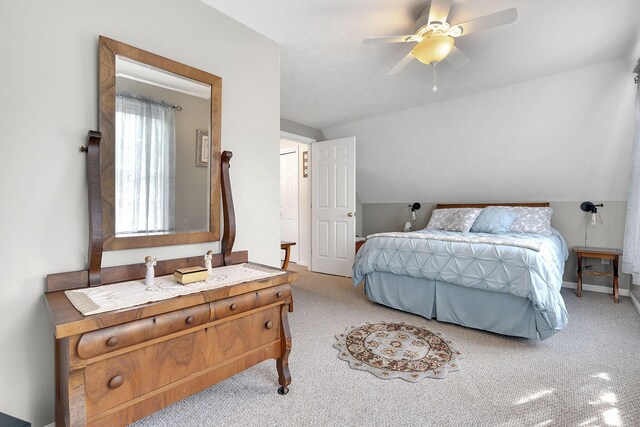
point(414, 207)
point(594, 217)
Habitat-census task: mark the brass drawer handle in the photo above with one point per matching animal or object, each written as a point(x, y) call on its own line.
point(116, 381)
point(113, 341)
point(234, 307)
point(189, 320)
point(269, 324)
point(279, 294)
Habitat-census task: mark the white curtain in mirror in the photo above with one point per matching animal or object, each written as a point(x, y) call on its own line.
point(145, 165)
point(631, 248)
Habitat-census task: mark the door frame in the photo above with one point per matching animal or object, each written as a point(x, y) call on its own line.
point(307, 230)
point(296, 138)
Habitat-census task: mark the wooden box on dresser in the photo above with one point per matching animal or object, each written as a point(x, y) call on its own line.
point(116, 367)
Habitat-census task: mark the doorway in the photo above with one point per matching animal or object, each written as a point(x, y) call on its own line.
point(295, 196)
point(289, 208)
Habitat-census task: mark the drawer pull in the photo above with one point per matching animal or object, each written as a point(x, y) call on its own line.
point(113, 341)
point(234, 306)
point(269, 324)
point(116, 381)
point(279, 295)
point(189, 320)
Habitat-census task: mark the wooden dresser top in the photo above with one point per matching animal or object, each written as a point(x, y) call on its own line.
point(68, 321)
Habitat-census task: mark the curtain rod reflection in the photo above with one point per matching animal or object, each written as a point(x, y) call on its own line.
point(149, 100)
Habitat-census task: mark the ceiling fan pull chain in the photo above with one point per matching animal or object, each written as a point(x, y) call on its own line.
point(435, 86)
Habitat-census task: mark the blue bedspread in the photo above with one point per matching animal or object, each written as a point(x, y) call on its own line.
point(523, 272)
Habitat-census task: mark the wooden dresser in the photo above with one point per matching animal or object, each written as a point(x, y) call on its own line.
point(117, 367)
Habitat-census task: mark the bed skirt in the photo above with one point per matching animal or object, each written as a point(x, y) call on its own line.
point(474, 308)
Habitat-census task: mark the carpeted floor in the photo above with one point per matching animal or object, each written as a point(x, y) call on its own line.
point(586, 375)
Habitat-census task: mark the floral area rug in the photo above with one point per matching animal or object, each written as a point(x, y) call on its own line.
point(397, 350)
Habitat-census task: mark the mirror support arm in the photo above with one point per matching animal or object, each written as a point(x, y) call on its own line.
point(95, 207)
point(229, 215)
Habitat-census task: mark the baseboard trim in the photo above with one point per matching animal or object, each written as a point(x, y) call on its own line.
point(635, 302)
point(305, 264)
point(595, 288)
point(51, 425)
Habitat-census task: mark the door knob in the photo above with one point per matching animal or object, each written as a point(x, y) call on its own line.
point(351, 214)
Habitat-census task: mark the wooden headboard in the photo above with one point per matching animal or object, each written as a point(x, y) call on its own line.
point(484, 205)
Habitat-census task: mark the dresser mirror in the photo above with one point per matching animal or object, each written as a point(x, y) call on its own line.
point(159, 167)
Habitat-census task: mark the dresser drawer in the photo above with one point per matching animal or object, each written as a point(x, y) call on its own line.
point(105, 340)
point(245, 302)
point(239, 335)
point(119, 379)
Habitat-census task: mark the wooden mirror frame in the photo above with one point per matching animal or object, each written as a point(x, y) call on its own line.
point(109, 49)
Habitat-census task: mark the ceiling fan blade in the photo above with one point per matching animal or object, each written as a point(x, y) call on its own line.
point(386, 39)
point(489, 21)
point(400, 65)
point(439, 10)
point(457, 58)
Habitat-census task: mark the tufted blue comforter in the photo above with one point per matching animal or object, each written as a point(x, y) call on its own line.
point(535, 274)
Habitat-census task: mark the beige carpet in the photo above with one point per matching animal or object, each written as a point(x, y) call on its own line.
point(587, 375)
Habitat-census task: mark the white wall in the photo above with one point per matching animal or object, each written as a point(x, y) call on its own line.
point(49, 86)
point(560, 138)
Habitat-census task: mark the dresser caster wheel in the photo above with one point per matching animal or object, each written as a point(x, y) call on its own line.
point(283, 390)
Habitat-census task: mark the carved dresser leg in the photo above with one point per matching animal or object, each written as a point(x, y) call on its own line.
point(284, 376)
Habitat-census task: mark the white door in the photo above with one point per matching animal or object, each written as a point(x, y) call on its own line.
point(333, 204)
point(289, 201)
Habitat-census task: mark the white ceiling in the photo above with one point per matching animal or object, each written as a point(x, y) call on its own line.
point(329, 77)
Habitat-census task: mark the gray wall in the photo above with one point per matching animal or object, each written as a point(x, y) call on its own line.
point(359, 228)
point(50, 85)
point(301, 130)
point(567, 218)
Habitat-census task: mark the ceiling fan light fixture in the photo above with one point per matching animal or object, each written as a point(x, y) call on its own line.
point(433, 49)
point(455, 31)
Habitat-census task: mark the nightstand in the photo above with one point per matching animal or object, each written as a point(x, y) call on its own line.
point(612, 254)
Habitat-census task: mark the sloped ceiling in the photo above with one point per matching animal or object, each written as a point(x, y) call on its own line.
point(329, 77)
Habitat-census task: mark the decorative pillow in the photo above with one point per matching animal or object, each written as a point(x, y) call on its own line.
point(458, 219)
point(531, 220)
point(494, 219)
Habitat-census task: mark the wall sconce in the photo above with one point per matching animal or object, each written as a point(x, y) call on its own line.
point(414, 207)
point(305, 164)
point(593, 217)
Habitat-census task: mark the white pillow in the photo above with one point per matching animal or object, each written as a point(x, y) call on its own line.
point(531, 220)
point(455, 219)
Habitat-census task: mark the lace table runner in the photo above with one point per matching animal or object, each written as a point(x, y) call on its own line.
point(128, 294)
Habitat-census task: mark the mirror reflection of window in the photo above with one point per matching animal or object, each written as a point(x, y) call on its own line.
point(145, 157)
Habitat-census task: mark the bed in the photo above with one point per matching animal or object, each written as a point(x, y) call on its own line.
point(505, 281)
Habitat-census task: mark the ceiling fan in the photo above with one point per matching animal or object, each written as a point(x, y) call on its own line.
point(434, 36)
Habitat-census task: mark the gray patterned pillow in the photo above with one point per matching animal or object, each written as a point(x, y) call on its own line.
point(531, 220)
point(458, 219)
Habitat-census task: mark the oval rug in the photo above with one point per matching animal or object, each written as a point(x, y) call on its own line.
point(397, 350)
